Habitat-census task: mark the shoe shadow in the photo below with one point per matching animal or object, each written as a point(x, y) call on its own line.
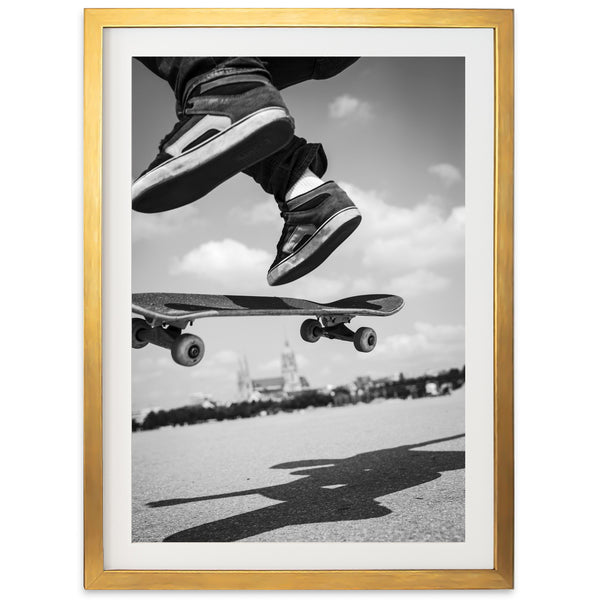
point(330, 490)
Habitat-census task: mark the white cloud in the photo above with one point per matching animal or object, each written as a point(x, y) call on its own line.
point(313, 287)
point(439, 344)
point(414, 283)
point(274, 365)
point(394, 239)
point(217, 373)
point(361, 285)
point(220, 365)
point(261, 212)
point(271, 366)
point(230, 265)
point(418, 282)
point(348, 107)
point(448, 174)
point(146, 364)
point(226, 262)
point(396, 249)
point(150, 226)
point(301, 361)
point(223, 357)
point(145, 367)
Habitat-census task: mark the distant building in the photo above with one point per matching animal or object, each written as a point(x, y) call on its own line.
point(245, 388)
point(431, 388)
point(201, 398)
point(382, 381)
point(289, 370)
point(273, 388)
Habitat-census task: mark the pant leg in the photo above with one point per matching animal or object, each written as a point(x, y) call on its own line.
point(184, 73)
point(280, 171)
point(286, 71)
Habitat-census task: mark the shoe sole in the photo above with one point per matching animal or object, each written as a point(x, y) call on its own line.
point(320, 246)
point(193, 174)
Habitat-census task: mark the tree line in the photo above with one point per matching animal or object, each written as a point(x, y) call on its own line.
point(366, 391)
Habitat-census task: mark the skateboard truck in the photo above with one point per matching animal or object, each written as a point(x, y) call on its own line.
point(186, 349)
point(334, 327)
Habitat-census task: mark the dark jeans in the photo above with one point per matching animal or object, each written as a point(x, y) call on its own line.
point(280, 171)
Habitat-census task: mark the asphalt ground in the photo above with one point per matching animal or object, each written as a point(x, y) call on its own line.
point(389, 471)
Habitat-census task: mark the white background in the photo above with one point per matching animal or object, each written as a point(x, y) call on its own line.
point(557, 326)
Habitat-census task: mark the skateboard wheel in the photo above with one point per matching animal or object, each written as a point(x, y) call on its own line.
point(187, 350)
point(365, 339)
point(311, 331)
point(138, 325)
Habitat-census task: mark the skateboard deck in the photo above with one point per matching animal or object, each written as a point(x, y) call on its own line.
point(166, 315)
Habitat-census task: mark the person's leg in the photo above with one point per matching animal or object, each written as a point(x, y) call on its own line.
point(184, 73)
point(194, 158)
point(169, 183)
point(318, 215)
point(231, 116)
point(286, 71)
point(278, 173)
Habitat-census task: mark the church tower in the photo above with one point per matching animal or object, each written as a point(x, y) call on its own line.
point(244, 382)
point(289, 370)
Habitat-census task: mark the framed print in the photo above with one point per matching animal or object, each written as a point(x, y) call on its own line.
point(338, 185)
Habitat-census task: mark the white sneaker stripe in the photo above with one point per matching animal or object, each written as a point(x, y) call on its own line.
point(218, 122)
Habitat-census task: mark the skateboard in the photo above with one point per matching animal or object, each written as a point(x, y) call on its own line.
point(165, 316)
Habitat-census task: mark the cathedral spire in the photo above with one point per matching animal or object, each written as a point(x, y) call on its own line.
point(289, 369)
point(244, 382)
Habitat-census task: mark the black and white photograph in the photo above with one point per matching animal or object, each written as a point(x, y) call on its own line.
point(298, 278)
point(242, 295)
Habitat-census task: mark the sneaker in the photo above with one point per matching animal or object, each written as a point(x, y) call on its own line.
point(316, 223)
point(223, 131)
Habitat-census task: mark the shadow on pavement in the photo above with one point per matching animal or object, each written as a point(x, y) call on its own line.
point(354, 484)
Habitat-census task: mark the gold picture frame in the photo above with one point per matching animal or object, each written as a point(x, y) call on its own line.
point(501, 576)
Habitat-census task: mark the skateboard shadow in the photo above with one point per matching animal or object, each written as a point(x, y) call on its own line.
point(330, 490)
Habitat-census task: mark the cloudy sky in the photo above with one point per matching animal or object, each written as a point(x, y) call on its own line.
point(393, 130)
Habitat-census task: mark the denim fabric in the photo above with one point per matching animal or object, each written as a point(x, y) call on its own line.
point(280, 171)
